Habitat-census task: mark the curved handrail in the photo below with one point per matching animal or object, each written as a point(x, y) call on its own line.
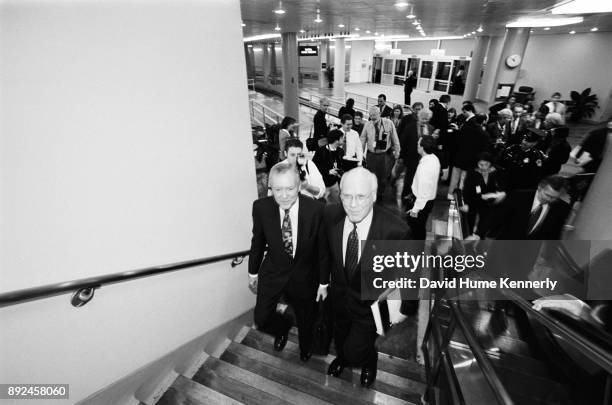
point(50, 290)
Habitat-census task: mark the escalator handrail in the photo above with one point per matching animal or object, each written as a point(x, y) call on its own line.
point(500, 392)
point(50, 290)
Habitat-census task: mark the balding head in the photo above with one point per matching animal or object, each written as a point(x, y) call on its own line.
point(358, 193)
point(284, 182)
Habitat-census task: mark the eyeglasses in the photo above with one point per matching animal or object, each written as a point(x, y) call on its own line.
point(358, 198)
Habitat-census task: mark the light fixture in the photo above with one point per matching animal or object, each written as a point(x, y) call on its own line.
point(340, 25)
point(572, 32)
point(318, 19)
point(473, 32)
point(546, 28)
point(376, 33)
point(401, 4)
point(243, 24)
point(277, 28)
point(302, 31)
point(261, 37)
point(544, 22)
point(583, 7)
point(280, 10)
point(368, 32)
point(415, 22)
point(480, 29)
point(594, 29)
point(356, 28)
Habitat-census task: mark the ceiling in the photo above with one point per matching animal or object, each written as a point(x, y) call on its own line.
point(437, 17)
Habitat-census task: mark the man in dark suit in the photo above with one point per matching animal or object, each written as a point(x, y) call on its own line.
point(409, 84)
point(534, 214)
point(320, 127)
point(289, 226)
point(518, 125)
point(439, 118)
point(385, 110)
point(357, 219)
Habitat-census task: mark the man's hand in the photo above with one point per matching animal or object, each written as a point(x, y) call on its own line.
point(414, 214)
point(253, 284)
point(321, 293)
point(464, 208)
point(334, 172)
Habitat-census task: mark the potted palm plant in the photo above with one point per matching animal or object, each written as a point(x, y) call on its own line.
point(583, 105)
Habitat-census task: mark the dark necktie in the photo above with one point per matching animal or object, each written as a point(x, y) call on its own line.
point(533, 219)
point(287, 234)
point(352, 252)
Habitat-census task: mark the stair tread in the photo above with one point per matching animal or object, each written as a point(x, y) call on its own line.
point(272, 388)
point(185, 391)
point(391, 364)
point(291, 375)
point(386, 383)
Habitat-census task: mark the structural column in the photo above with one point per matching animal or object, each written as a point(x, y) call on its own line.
point(290, 74)
point(339, 66)
point(273, 68)
point(473, 75)
point(491, 63)
point(266, 64)
point(324, 62)
point(250, 60)
point(515, 43)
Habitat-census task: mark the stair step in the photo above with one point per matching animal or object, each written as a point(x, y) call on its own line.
point(531, 386)
point(386, 383)
point(185, 391)
point(391, 364)
point(274, 392)
point(292, 375)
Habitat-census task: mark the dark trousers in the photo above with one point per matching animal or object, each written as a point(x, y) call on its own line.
point(407, 95)
point(410, 172)
point(354, 337)
point(418, 224)
point(380, 164)
point(276, 324)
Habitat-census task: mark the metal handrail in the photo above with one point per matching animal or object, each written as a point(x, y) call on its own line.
point(85, 286)
point(481, 358)
point(272, 115)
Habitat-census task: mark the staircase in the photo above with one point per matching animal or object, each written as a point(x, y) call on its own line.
point(249, 371)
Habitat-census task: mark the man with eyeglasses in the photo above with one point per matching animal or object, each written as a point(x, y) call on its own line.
point(286, 255)
point(320, 123)
point(346, 225)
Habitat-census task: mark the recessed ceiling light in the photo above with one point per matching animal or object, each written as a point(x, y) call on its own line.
point(401, 4)
point(302, 31)
point(318, 19)
point(546, 28)
point(480, 29)
point(572, 32)
point(368, 31)
point(594, 29)
point(243, 24)
point(356, 28)
point(376, 33)
point(531, 31)
point(544, 22)
point(411, 16)
point(340, 25)
point(415, 22)
point(473, 32)
point(280, 9)
point(277, 28)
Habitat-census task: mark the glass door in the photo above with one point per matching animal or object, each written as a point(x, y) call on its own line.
point(387, 74)
point(460, 69)
point(443, 74)
point(425, 75)
point(400, 72)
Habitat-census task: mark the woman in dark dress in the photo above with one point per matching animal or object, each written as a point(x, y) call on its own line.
point(347, 109)
point(482, 193)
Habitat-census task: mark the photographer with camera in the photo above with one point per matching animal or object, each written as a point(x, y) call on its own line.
point(311, 181)
point(328, 159)
point(383, 147)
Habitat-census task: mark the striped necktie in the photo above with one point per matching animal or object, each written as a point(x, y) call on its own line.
point(352, 252)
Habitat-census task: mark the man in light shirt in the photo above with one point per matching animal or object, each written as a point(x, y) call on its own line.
point(346, 225)
point(288, 251)
point(424, 187)
point(383, 147)
point(353, 149)
point(311, 181)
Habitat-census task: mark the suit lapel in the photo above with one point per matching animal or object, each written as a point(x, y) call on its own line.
point(336, 242)
point(301, 230)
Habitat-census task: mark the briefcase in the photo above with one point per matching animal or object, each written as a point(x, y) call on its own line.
point(322, 330)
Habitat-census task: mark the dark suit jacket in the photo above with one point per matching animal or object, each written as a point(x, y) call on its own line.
point(346, 293)
point(496, 133)
point(439, 119)
point(408, 135)
point(277, 270)
point(513, 219)
point(320, 125)
point(471, 141)
point(410, 84)
point(386, 112)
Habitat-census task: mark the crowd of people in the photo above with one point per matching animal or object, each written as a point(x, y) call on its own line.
point(306, 231)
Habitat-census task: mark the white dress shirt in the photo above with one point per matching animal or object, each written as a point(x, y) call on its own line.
point(363, 228)
point(354, 148)
point(425, 182)
point(545, 209)
point(313, 175)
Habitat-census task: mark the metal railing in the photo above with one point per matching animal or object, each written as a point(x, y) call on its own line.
point(263, 115)
point(83, 289)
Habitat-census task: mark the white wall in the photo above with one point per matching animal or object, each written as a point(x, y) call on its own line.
point(458, 47)
point(570, 62)
point(122, 147)
point(362, 54)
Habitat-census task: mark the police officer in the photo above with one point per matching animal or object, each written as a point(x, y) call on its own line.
point(523, 163)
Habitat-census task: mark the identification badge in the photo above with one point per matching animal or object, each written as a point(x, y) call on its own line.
point(478, 190)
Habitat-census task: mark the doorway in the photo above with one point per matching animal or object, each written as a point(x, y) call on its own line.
point(377, 69)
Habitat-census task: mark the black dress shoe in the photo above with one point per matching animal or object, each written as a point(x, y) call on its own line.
point(368, 376)
point(335, 368)
point(305, 356)
point(280, 342)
